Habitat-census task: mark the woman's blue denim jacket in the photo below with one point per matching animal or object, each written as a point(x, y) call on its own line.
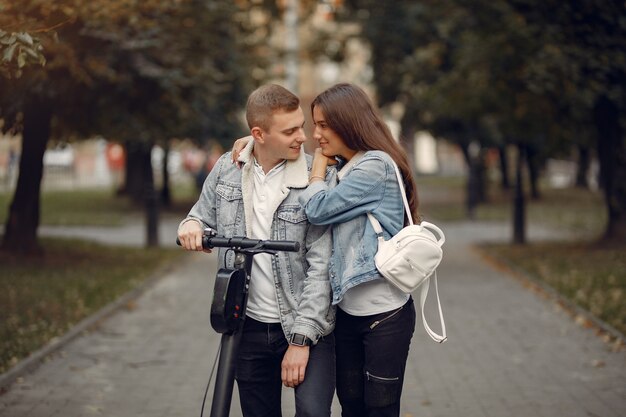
point(371, 185)
point(302, 285)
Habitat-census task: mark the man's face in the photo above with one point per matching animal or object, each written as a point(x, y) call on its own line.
point(285, 136)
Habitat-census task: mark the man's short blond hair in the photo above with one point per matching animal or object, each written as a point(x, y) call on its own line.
point(265, 101)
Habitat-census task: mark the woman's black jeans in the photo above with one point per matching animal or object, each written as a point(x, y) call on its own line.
point(371, 357)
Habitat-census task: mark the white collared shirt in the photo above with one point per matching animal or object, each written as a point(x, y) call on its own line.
point(262, 303)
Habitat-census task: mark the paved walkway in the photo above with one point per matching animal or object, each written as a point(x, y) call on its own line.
point(510, 352)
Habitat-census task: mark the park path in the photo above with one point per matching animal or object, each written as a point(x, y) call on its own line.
point(511, 351)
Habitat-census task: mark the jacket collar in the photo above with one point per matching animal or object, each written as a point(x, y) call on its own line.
point(348, 165)
point(296, 171)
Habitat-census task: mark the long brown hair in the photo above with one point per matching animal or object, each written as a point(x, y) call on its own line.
point(351, 114)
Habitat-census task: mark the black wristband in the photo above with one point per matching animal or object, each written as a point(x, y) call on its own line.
point(298, 339)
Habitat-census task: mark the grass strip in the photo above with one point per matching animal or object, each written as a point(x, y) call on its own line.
point(97, 207)
point(43, 297)
point(83, 207)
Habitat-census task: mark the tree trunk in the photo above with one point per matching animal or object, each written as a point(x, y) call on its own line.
point(612, 157)
point(139, 185)
point(134, 182)
point(20, 234)
point(150, 197)
point(166, 197)
point(481, 176)
point(584, 160)
point(470, 196)
point(475, 186)
point(519, 204)
point(504, 168)
point(532, 158)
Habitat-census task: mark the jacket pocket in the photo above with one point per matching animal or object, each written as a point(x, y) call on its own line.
point(292, 223)
point(291, 213)
point(229, 207)
point(229, 192)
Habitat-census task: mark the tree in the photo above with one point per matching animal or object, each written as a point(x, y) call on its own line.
point(509, 72)
point(454, 76)
point(126, 70)
point(583, 64)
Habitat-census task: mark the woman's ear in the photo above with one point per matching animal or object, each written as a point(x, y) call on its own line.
point(257, 134)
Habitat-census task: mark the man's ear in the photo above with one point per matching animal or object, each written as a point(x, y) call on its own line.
point(258, 135)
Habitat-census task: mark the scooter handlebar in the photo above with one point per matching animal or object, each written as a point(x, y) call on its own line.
point(210, 242)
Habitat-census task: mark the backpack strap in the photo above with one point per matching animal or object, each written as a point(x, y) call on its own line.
point(407, 209)
point(439, 338)
point(423, 294)
point(376, 225)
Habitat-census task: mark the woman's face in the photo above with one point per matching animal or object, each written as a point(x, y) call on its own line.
point(331, 143)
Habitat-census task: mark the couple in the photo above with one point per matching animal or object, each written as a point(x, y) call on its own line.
point(281, 193)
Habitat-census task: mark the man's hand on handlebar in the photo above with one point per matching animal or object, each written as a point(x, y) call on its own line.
point(190, 236)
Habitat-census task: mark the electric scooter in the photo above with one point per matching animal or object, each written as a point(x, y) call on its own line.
point(228, 309)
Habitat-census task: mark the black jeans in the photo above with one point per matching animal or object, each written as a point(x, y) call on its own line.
point(371, 357)
point(258, 373)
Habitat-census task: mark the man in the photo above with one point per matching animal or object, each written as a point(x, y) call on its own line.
point(289, 319)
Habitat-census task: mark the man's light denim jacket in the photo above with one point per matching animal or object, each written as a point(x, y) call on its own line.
point(301, 278)
point(370, 185)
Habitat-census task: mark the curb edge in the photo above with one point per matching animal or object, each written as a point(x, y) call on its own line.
point(616, 339)
point(35, 359)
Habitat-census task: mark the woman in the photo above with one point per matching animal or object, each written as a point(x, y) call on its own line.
point(375, 320)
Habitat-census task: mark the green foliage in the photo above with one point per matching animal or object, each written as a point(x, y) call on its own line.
point(18, 50)
point(545, 76)
point(497, 70)
point(145, 70)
